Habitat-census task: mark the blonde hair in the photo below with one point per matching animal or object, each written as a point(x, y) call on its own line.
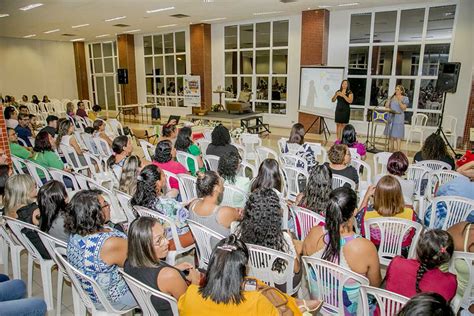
point(402, 88)
point(18, 189)
point(130, 172)
point(388, 197)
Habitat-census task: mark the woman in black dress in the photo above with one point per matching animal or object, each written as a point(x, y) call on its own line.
point(344, 98)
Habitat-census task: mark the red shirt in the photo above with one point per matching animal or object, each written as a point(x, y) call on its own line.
point(401, 279)
point(174, 167)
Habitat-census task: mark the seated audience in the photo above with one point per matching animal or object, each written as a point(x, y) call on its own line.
point(95, 113)
point(185, 143)
point(387, 202)
point(66, 137)
point(5, 173)
point(46, 99)
point(226, 289)
point(336, 242)
point(23, 109)
point(122, 148)
point(24, 99)
point(130, 172)
point(52, 125)
point(434, 148)
point(261, 225)
point(34, 124)
point(14, 301)
point(340, 158)
point(206, 209)
point(315, 196)
point(52, 200)
point(34, 99)
point(229, 165)
point(96, 249)
point(169, 132)
point(305, 150)
point(15, 148)
point(44, 154)
point(147, 244)
point(81, 109)
point(20, 203)
point(220, 143)
point(23, 130)
point(164, 159)
point(426, 304)
point(349, 138)
point(268, 177)
point(11, 116)
point(397, 166)
point(148, 194)
point(70, 109)
point(99, 131)
point(408, 277)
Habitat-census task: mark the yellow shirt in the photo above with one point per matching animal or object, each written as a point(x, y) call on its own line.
point(192, 303)
point(92, 115)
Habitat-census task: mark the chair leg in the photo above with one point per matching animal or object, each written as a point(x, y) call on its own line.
point(30, 275)
point(47, 284)
point(79, 307)
point(15, 253)
point(5, 249)
point(59, 293)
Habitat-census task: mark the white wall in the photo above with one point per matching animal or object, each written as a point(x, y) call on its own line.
point(37, 67)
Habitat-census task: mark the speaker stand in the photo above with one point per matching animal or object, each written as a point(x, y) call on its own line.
point(440, 131)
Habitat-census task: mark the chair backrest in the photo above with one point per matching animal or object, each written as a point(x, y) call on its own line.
point(203, 143)
point(459, 259)
point(124, 201)
point(81, 123)
point(419, 120)
point(339, 181)
point(293, 161)
point(33, 171)
point(143, 294)
point(354, 153)
point(440, 177)
point(205, 239)
point(242, 151)
point(261, 261)
point(389, 303)
point(183, 157)
point(457, 210)
point(117, 214)
point(320, 153)
point(233, 194)
point(59, 175)
point(16, 227)
point(364, 170)
point(417, 174)
point(207, 134)
point(244, 165)
point(188, 185)
point(329, 280)
point(51, 243)
point(146, 146)
point(212, 162)
point(380, 162)
point(87, 104)
point(22, 142)
point(85, 182)
point(17, 164)
point(449, 123)
point(103, 147)
point(434, 165)
point(72, 158)
point(93, 162)
point(88, 141)
point(393, 231)
point(294, 178)
point(116, 127)
point(306, 219)
point(288, 148)
point(169, 175)
point(264, 153)
point(250, 141)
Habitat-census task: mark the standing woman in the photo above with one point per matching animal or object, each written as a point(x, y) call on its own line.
point(344, 97)
point(396, 128)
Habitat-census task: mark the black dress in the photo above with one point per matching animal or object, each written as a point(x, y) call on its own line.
point(343, 109)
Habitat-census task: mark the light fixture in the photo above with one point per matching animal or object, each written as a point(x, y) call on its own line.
point(167, 25)
point(348, 4)
point(103, 35)
point(132, 31)
point(28, 36)
point(208, 1)
point(212, 20)
point(78, 40)
point(324, 6)
point(31, 6)
point(80, 25)
point(4, 15)
point(160, 10)
point(115, 19)
point(51, 31)
point(267, 13)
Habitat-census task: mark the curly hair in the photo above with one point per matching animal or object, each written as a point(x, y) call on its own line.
point(229, 165)
point(146, 194)
point(318, 188)
point(434, 249)
point(336, 153)
point(84, 214)
point(220, 136)
point(269, 176)
point(183, 140)
point(261, 223)
point(206, 182)
point(434, 148)
point(163, 151)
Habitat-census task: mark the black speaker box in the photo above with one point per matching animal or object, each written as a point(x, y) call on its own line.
point(448, 75)
point(122, 74)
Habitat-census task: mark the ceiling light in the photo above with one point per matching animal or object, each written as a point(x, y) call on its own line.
point(266, 13)
point(80, 25)
point(103, 35)
point(324, 6)
point(4, 15)
point(115, 19)
point(31, 6)
point(160, 10)
point(78, 40)
point(28, 36)
point(215, 19)
point(133, 31)
point(52, 31)
point(348, 4)
point(208, 1)
point(167, 25)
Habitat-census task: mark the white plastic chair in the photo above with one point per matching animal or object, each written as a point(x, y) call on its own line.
point(307, 220)
point(354, 154)
point(72, 158)
point(46, 265)
point(183, 157)
point(417, 174)
point(264, 153)
point(244, 165)
point(33, 171)
point(392, 233)
point(440, 177)
point(283, 145)
point(78, 278)
point(339, 181)
point(293, 161)
point(172, 254)
point(116, 127)
point(143, 294)
point(457, 210)
point(242, 151)
point(117, 214)
point(261, 260)
point(250, 141)
point(17, 164)
point(293, 176)
point(212, 162)
point(434, 165)
point(124, 201)
point(85, 182)
point(233, 194)
point(187, 187)
point(418, 126)
point(466, 258)
point(146, 146)
point(389, 303)
point(364, 170)
point(203, 143)
point(169, 175)
point(103, 147)
point(89, 142)
point(205, 238)
point(449, 128)
point(380, 163)
point(22, 142)
point(330, 281)
point(59, 175)
point(320, 153)
point(15, 249)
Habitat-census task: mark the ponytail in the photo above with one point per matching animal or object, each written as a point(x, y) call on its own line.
point(333, 224)
point(419, 275)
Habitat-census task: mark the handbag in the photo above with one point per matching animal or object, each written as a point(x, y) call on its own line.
point(274, 296)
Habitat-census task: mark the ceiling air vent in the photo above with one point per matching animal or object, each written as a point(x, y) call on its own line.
point(287, 1)
point(180, 16)
point(67, 34)
point(121, 25)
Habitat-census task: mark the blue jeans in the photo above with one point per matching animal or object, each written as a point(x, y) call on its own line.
point(13, 303)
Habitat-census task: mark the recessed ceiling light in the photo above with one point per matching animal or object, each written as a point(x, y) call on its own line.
point(133, 31)
point(31, 6)
point(103, 35)
point(215, 19)
point(167, 25)
point(348, 4)
point(160, 10)
point(324, 6)
point(267, 13)
point(4, 15)
point(208, 1)
point(51, 31)
point(77, 40)
point(28, 36)
point(80, 25)
point(115, 19)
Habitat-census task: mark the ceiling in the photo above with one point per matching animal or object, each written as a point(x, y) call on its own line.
point(61, 15)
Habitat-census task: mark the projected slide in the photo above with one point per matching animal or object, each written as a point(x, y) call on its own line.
point(317, 86)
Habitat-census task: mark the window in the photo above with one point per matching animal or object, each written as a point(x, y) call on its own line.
point(393, 44)
point(256, 61)
point(103, 61)
point(165, 66)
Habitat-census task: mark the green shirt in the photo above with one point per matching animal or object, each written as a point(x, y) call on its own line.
point(195, 151)
point(47, 159)
point(19, 151)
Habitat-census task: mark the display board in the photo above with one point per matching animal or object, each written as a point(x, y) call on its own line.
point(317, 87)
point(192, 91)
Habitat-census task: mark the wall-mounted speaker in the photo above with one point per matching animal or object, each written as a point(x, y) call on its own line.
point(448, 75)
point(122, 75)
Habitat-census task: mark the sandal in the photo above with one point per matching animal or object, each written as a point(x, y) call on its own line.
point(309, 311)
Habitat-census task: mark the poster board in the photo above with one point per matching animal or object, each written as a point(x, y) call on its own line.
point(192, 91)
point(317, 87)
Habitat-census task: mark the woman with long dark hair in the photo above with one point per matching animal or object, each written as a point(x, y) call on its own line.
point(316, 193)
point(297, 138)
point(336, 242)
point(344, 97)
point(229, 165)
point(164, 159)
point(427, 304)
point(411, 276)
point(52, 200)
point(185, 143)
point(349, 138)
point(434, 148)
point(268, 177)
point(122, 148)
point(169, 132)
